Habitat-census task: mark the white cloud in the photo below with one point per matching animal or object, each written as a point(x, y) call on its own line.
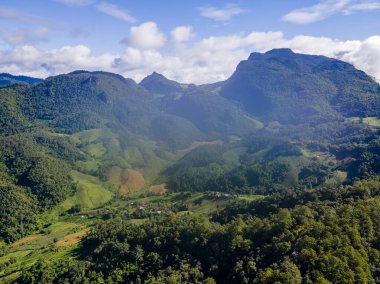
point(131, 59)
point(145, 36)
point(318, 12)
point(215, 58)
point(361, 7)
point(322, 45)
point(207, 60)
point(223, 14)
point(139, 63)
point(30, 61)
point(366, 56)
point(327, 8)
point(116, 12)
point(23, 56)
point(76, 2)
point(181, 33)
point(104, 7)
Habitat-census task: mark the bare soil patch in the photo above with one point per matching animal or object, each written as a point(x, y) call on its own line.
point(132, 181)
point(71, 239)
point(27, 240)
point(158, 188)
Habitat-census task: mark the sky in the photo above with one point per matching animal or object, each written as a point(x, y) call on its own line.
point(187, 41)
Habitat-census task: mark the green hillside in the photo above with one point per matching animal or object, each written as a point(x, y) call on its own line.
point(271, 176)
point(8, 80)
point(295, 88)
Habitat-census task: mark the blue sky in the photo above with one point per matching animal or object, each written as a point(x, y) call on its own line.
point(190, 41)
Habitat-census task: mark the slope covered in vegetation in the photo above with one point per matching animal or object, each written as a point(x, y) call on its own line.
point(270, 176)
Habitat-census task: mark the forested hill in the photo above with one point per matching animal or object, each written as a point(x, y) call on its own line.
point(271, 176)
point(8, 79)
point(159, 84)
point(85, 100)
point(294, 88)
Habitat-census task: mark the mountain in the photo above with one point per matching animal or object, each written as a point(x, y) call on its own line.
point(85, 100)
point(82, 100)
point(213, 114)
point(8, 79)
point(281, 85)
point(159, 84)
point(248, 180)
point(201, 106)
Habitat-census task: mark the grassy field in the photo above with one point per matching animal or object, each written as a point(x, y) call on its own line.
point(91, 193)
point(56, 241)
point(193, 203)
point(337, 177)
point(63, 232)
point(104, 147)
point(372, 121)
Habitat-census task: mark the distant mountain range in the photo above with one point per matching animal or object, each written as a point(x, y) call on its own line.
point(277, 86)
point(8, 79)
point(286, 130)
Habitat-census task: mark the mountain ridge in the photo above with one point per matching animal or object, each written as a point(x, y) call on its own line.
point(7, 79)
point(281, 157)
point(158, 83)
point(281, 85)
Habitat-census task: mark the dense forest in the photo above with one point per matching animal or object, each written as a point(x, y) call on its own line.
point(319, 236)
point(272, 176)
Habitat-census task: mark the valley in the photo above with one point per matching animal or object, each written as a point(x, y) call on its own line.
point(248, 180)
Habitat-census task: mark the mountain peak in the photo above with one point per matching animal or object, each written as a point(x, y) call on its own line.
point(288, 87)
point(273, 52)
point(159, 83)
point(101, 73)
point(155, 76)
point(280, 51)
